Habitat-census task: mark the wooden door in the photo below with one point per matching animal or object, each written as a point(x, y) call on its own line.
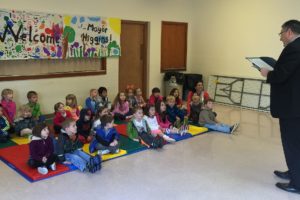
point(133, 59)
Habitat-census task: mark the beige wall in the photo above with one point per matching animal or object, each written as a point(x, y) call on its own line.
point(228, 31)
point(221, 35)
point(154, 11)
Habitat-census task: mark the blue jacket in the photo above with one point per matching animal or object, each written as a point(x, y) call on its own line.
point(90, 104)
point(173, 113)
point(104, 138)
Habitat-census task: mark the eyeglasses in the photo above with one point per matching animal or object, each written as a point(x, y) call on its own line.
point(282, 32)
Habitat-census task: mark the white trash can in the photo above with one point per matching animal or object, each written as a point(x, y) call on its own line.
point(169, 85)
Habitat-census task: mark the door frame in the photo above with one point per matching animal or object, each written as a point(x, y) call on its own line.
point(144, 54)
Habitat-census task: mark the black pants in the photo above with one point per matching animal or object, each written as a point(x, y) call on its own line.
point(36, 163)
point(290, 136)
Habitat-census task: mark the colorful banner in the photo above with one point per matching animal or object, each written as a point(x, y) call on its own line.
point(26, 35)
point(33, 35)
point(91, 36)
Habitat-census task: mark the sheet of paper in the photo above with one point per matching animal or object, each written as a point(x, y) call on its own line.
point(260, 63)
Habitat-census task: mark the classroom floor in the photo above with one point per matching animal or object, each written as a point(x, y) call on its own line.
point(210, 166)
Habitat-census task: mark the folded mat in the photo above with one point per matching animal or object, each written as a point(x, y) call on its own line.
point(196, 130)
point(16, 157)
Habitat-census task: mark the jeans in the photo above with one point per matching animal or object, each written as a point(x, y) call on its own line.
point(112, 149)
point(78, 158)
point(219, 127)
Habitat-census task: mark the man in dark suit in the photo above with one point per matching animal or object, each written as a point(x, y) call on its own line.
point(285, 102)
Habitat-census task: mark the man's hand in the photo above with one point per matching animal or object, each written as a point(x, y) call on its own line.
point(264, 72)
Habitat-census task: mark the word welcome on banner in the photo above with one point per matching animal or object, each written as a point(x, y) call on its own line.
point(34, 35)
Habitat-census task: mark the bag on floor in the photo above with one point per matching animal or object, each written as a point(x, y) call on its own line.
point(94, 163)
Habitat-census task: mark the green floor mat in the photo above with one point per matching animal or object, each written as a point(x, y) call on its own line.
point(129, 145)
point(116, 121)
point(7, 144)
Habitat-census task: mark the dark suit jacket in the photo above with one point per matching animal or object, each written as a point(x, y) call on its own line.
point(285, 83)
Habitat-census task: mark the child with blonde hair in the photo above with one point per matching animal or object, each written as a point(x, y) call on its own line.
point(71, 105)
point(130, 97)
point(139, 98)
point(176, 116)
point(195, 109)
point(25, 123)
point(91, 101)
point(9, 106)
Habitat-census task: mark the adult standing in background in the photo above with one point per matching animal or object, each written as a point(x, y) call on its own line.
point(285, 98)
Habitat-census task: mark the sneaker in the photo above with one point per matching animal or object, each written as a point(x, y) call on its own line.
point(234, 127)
point(53, 167)
point(103, 152)
point(42, 170)
point(117, 151)
point(94, 164)
point(168, 139)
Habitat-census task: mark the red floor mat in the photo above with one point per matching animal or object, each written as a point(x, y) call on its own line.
point(16, 157)
point(121, 128)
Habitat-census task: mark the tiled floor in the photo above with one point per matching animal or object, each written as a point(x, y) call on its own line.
point(210, 166)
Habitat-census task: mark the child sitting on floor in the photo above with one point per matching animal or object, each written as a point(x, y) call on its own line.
point(150, 117)
point(176, 116)
point(91, 101)
point(41, 150)
point(155, 96)
point(195, 109)
point(32, 97)
point(163, 121)
point(130, 97)
point(208, 119)
point(175, 93)
point(138, 130)
point(121, 107)
point(70, 149)
point(71, 105)
point(97, 122)
point(139, 98)
point(107, 138)
point(8, 104)
point(4, 126)
point(60, 116)
point(84, 125)
point(25, 123)
point(102, 99)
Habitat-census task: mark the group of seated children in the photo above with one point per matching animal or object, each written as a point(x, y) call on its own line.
point(30, 115)
point(94, 124)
